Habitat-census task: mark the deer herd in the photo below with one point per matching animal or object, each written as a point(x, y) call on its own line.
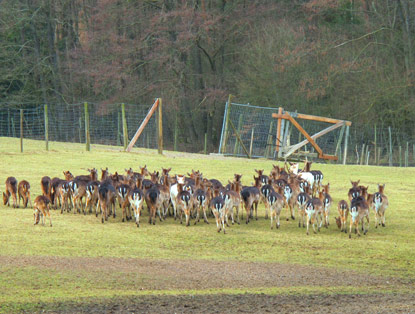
point(297, 190)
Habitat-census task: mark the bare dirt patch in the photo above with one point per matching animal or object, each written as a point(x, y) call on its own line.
point(247, 303)
point(199, 274)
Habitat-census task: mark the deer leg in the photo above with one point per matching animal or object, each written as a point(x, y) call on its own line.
point(204, 214)
point(271, 215)
point(367, 228)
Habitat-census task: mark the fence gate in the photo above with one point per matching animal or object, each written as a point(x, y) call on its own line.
point(275, 133)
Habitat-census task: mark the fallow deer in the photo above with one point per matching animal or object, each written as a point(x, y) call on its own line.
point(380, 204)
point(136, 198)
point(217, 205)
point(326, 199)
point(266, 190)
point(123, 191)
point(276, 203)
point(46, 187)
point(106, 196)
point(183, 203)
point(343, 209)
point(233, 200)
point(314, 210)
point(41, 207)
point(251, 196)
point(11, 190)
point(62, 194)
point(174, 191)
point(23, 190)
point(302, 200)
point(359, 210)
point(152, 197)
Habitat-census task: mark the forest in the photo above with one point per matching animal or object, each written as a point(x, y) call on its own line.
point(348, 59)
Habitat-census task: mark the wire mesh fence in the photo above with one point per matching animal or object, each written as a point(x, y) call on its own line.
point(66, 123)
point(366, 144)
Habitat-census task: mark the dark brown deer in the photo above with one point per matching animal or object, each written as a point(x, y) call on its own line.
point(41, 209)
point(184, 203)
point(217, 205)
point(11, 190)
point(152, 197)
point(23, 190)
point(251, 196)
point(326, 199)
point(359, 210)
point(107, 195)
point(46, 187)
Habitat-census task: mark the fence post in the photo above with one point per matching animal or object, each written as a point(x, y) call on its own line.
point(160, 127)
point(236, 148)
point(345, 145)
point(378, 161)
point(205, 149)
point(407, 155)
point(21, 130)
point(375, 145)
point(400, 156)
point(278, 142)
point(87, 138)
point(46, 127)
point(175, 134)
point(225, 133)
point(252, 142)
point(124, 126)
point(390, 146)
point(269, 140)
point(362, 156)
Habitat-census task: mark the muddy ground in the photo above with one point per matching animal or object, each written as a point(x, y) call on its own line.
point(141, 274)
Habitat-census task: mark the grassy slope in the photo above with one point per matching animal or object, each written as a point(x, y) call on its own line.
point(388, 251)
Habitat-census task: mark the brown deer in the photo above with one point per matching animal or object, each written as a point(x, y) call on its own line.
point(63, 192)
point(46, 187)
point(359, 210)
point(217, 205)
point(276, 203)
point(164, 190)
point(380, 204)
point(136, 198)
point(200, 201)
point(23, 190)
point(250, 196)
point(302, 200)
point(123, 191)
point(92, 196)
point(354, 191)
point(11, 190)
point(343, 209)
point(184, 203)
point(106, 195)
point(233, 200)
point(41, 209)
point(326, 199)
point(314, 210)
point(152, 197)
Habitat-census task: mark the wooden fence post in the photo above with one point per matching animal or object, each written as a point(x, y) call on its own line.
point(375, 145)
point(345, 145)
point(205, 148)
point(87, 135)
point(160, 128)
point(390, 147)
point(362, 156)
point(252, 142)
point(21, 130)
point(175, 134)
point(46, 127)
point(269, 141)
point(400, 156)
point(124, 127)
point(278, 142)
point(236, 148)
point(225, 134)
point(407, 154)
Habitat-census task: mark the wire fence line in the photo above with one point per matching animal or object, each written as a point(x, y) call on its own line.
point(367, 144)
point(66, 123)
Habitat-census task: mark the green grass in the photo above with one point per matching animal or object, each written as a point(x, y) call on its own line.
point(384, 251)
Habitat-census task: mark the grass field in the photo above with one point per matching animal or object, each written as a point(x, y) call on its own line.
point(79, 260)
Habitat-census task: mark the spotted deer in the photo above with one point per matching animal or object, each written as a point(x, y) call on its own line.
point(11, 190)
point(276, 203)
point(217, 205)
point(123, 191)
point(41, 206)
point(250, 196)
point(136, 198)
point(233, 200)
point(380, 204)
point(343, 209)
point(314, 210)
point(92, 196)
point(326, 199)
point(183, 203)
point(266, 190)
point(23, 190)
point(302, 200)
point(359, 211)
